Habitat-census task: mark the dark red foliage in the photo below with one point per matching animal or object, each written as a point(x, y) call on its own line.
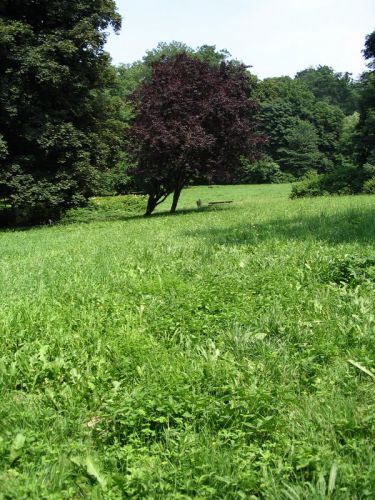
point(191, 120)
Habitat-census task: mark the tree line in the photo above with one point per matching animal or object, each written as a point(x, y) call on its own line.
point(72, 125)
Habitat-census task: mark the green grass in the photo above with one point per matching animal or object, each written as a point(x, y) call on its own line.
point(201, 355)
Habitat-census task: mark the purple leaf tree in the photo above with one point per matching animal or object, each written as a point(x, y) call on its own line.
point(191, 120)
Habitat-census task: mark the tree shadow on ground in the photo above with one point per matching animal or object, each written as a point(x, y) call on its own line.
point(349, 226)
point(94, 217)
point(123, 216)
point(186, 211)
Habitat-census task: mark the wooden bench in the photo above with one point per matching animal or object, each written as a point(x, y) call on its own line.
point(220, 202)
point(200, 203)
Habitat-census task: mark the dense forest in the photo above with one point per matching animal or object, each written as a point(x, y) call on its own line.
point(70, 121)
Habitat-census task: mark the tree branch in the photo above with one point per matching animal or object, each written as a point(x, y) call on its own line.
point(163, 199)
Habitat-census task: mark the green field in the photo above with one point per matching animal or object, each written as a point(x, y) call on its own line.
point(220, 353)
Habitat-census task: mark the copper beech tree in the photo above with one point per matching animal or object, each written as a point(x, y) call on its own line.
point(191, 120)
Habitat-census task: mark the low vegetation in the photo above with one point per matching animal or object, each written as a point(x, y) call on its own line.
point(218, 353)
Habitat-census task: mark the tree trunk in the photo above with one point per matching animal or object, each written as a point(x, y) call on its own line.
point(151, 205)
point(176, 197)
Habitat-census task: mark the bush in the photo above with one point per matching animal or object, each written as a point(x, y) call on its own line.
point(117, 180)
point(107, 208)
point(128, 203)
point(369, 170)
point(263, 171)
point(369, 186)
point(283, 177)
point(352, 270)
point(344, 179)
point(310, 185)
point(113, 182)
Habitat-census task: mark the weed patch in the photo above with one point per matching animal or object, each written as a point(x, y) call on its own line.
point(352, 270)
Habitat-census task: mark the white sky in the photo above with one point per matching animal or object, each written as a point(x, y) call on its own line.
point(276, 37)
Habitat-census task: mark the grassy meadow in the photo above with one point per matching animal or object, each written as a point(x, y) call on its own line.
point(227, 352)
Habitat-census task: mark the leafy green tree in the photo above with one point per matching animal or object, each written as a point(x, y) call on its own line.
point(211, 55)
point(365, 138)
point(58, 122)
point(301, 152)
point(328, 121)
point(207, 53)
point(349, 177)
point(369, 50)
point(276, 119)
point(349, 127)
point(288, 89)
point(281, 101)
point(285, 103)
point(262, 171)
point(130, 76)
point(167, 50)
point(338, 89)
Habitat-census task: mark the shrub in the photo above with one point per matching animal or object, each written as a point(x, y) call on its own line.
point(310, 185)
point(264, 171)
point(116, 180)
point(352, 270)
point(107, 208)
point(369, 170)
point(113, 182)
point(369, 186)
point(129, 203)
point(344, 179)
point(283, 177)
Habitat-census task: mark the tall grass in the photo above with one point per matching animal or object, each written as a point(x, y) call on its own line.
point(203, 355)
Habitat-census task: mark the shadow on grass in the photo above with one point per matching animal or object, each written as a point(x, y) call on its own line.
point(118, 216)
point(349, 226)
point(121, 216)
point(186, 211)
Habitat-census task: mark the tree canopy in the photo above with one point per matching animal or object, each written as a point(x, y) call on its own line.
point(288, 107)
point(353, 170)
point(366, 127)
point(338, 89)
point(57, 122)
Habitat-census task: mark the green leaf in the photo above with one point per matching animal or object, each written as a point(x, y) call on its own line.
point(332, 478)
point(362, 368)
point(17, 445)
point(93, 471)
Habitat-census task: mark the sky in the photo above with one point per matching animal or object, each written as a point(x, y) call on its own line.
point(275, 37)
